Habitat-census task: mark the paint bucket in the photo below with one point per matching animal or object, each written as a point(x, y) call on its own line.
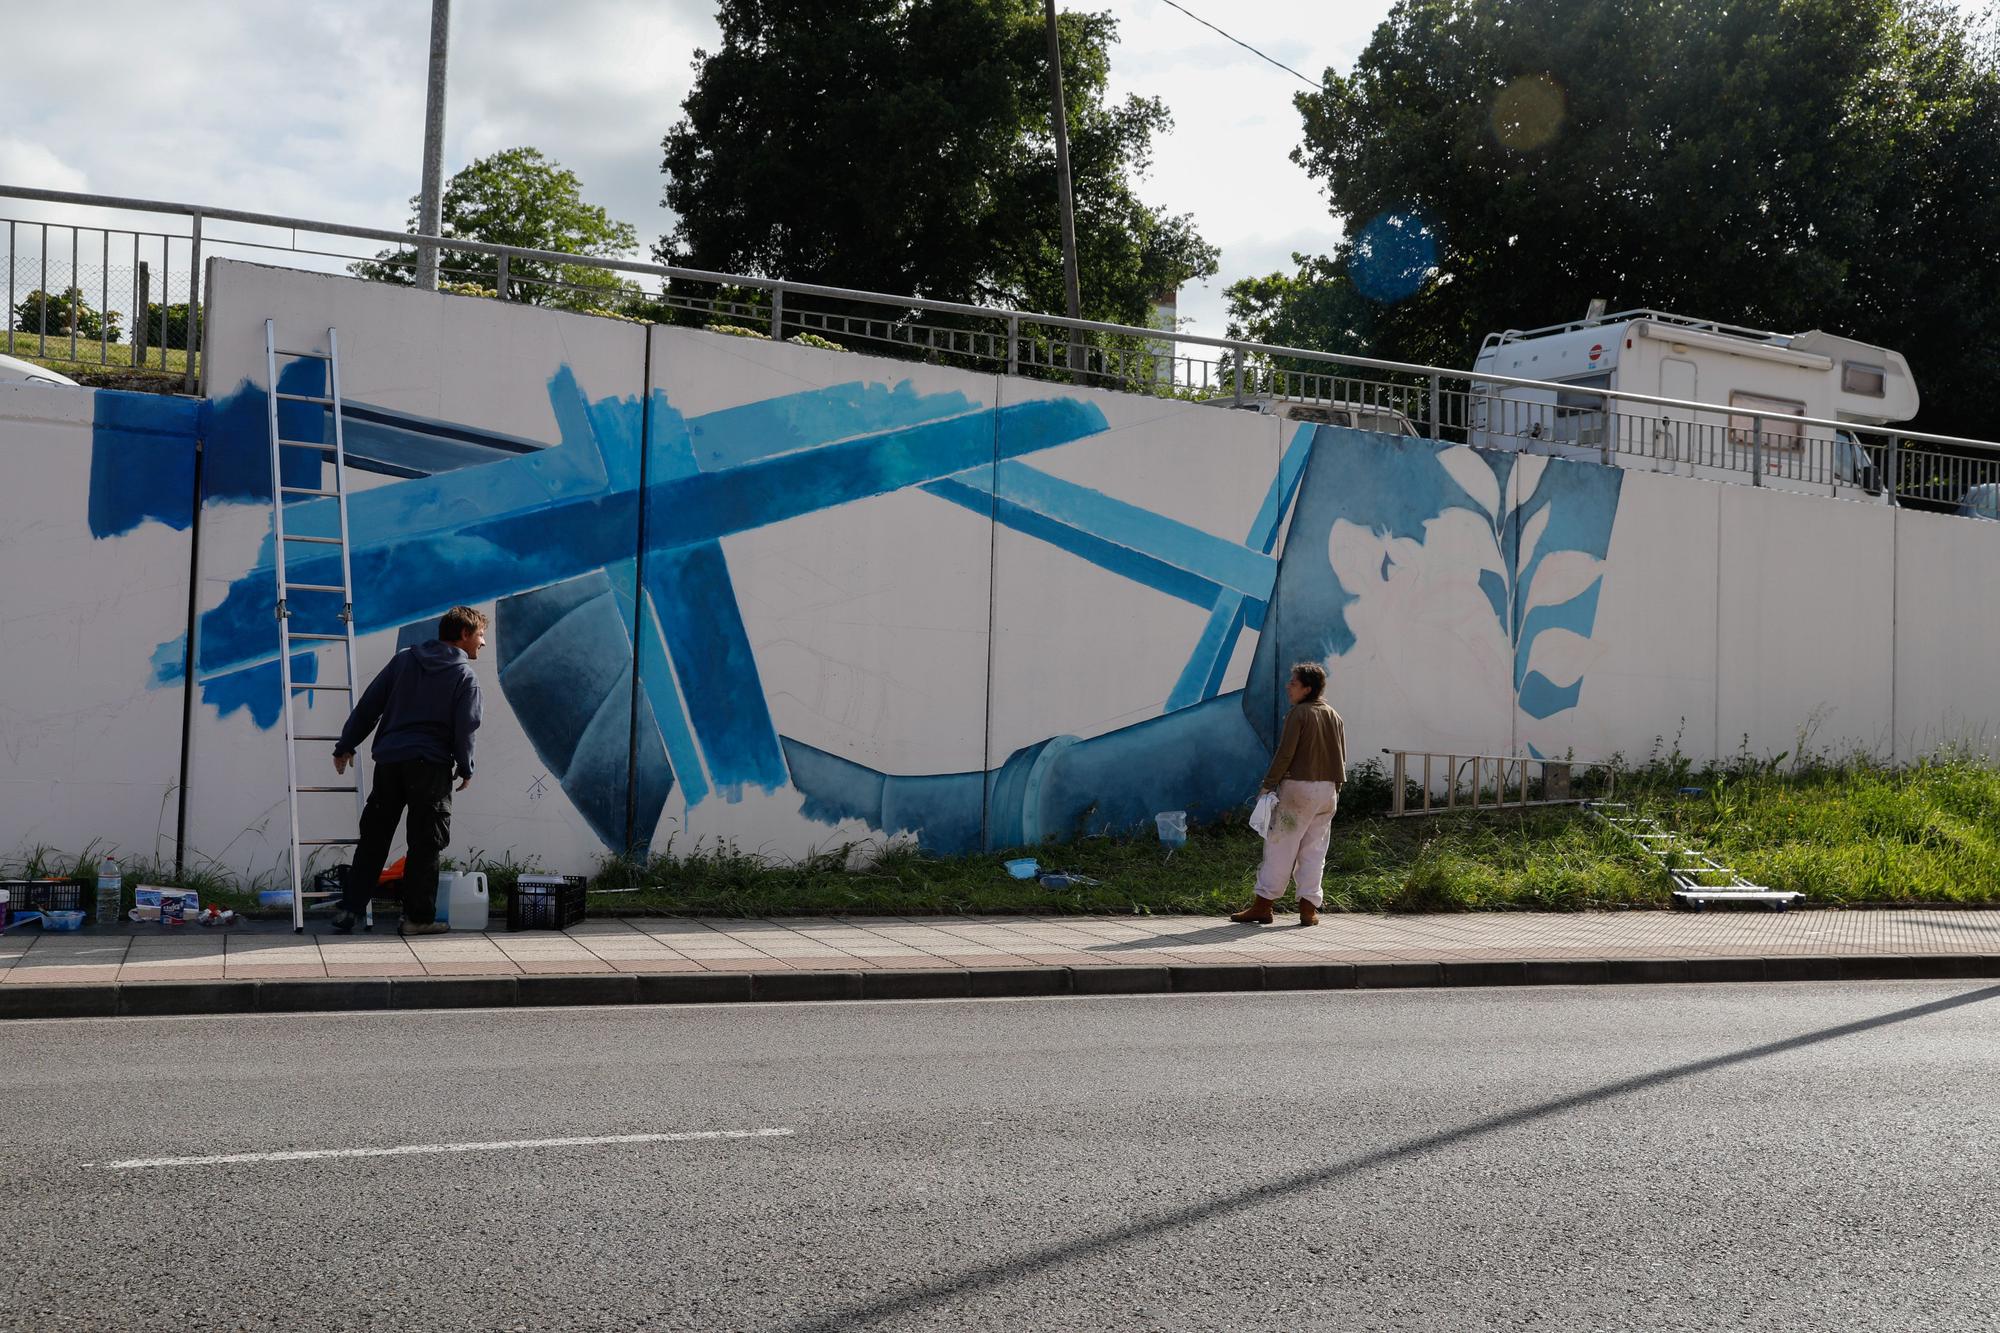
point(462, 902)
point(1172, 825)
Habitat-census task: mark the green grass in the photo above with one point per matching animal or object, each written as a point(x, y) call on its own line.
point(115, 372)
point(1841, 834)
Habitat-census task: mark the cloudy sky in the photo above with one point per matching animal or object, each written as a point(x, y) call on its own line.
point(316, 110)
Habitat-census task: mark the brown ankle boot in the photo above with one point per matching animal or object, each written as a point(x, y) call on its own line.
point(1308, 913)
point(1258, 913)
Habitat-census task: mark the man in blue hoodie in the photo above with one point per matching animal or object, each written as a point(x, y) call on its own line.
point(427, 700)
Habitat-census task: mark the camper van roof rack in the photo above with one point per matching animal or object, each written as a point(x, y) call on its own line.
point(1626, 316)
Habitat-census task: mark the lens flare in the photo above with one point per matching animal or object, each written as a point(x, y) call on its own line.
point(1393, 256)
point(1529, 112)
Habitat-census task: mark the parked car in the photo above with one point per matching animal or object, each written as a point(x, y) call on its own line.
point(13, 370)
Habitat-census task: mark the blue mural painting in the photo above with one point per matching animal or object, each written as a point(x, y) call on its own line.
point(603, 555)
point(1559, 533)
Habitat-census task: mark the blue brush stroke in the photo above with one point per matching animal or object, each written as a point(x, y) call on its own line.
point(734, 436)
point(1141, 567)
point(1202, 677)
point(1202, 759)
point(1539, 697)
point(261, 690)
point(700, 625)
point(1491, 582)
point(702, 628)
point(142, 453)
point(669, 709)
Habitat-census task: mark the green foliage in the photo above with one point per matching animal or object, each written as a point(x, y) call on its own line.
point(1842, 833)
point(58, 313)
point(1785, 163)
point(518, 197)
point(167, 326)
point(905, 146)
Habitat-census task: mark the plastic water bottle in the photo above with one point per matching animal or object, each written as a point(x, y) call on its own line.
point(110, 891)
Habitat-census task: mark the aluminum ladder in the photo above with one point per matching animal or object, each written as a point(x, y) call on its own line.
point(283, 496)
point(1699, 879)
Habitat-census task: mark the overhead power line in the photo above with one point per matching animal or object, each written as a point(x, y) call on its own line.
point(1310, 83)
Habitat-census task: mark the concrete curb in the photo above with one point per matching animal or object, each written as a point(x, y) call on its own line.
point(163, 998)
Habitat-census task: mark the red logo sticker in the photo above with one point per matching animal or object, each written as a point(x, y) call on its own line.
point(1597, 351)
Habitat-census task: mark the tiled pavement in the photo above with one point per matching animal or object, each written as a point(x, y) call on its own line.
point(660, 945)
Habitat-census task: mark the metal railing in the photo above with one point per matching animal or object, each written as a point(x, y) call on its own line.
point(1435, 783)
point(1456, 406)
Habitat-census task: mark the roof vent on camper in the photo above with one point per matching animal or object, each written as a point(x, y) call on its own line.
point(1595, 315)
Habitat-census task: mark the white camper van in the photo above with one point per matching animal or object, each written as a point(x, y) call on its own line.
point(1759, 382)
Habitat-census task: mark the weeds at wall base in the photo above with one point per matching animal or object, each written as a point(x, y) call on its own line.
point(1843, 833)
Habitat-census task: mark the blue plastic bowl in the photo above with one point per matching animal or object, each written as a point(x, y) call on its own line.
point(62, 921)
point(1022, 867)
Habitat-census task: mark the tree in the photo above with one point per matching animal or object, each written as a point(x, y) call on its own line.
point(57, 313)
point(1786, 163)
point(905, 146)
point(518, 197)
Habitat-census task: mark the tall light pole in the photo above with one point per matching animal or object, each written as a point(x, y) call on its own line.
point(431, 206)
point(1063, 190)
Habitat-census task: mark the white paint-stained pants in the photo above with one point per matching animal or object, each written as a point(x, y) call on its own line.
point(1296, 848)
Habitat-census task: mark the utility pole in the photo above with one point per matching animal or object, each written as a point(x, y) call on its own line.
point(1064, 193)
point(430, 209)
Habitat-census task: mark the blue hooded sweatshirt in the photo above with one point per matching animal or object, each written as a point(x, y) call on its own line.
point(427, 700)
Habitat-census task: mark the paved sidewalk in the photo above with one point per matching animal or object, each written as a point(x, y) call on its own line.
point(266, 952)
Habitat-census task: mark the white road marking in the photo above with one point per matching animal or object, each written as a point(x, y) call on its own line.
point(418, 1149)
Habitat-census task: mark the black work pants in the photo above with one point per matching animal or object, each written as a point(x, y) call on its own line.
point(423, 787)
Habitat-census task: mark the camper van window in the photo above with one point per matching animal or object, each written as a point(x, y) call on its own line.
point(1749, 409)
point(1569, 404)
point(1858, 377)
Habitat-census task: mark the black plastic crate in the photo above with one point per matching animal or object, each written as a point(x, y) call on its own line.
point(46, 895)
point(547, 906)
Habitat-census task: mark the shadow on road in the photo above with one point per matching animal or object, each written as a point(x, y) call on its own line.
point(1048, 1256)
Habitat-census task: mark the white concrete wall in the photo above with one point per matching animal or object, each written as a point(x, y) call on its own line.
point(1947, 635)
point(860, 600)
point(89, 750)
point(1805, 604)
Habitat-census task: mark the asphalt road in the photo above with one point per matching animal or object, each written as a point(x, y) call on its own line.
point(1756, 1157)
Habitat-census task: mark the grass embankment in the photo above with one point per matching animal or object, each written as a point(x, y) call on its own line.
point(1840, 834)
point(116, 371)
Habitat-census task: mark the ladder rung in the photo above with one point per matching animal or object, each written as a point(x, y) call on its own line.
point(344, 689)
point(315, 587)
point(317, 356)
point(307, 490)
point(321, 399)
point(321, 638)
point(323, 541)
point(296, 739)
point(306, 444)
point(347, 789)
point(329, 842)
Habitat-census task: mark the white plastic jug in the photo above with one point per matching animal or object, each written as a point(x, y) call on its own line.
point(461, 901)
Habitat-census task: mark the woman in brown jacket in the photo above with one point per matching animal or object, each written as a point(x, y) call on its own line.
point(1307, 772)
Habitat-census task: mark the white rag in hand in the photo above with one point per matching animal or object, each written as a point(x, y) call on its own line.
point(1262, 812)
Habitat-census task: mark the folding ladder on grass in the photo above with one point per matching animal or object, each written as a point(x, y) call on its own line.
point(325, 580)
point(1699, 879)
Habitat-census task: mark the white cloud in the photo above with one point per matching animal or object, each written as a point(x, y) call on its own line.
point(24, 162)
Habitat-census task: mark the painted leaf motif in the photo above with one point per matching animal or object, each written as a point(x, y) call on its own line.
point(1531, 537)
point(1471, 473)
point(1561, 576)
point(1562, 655)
